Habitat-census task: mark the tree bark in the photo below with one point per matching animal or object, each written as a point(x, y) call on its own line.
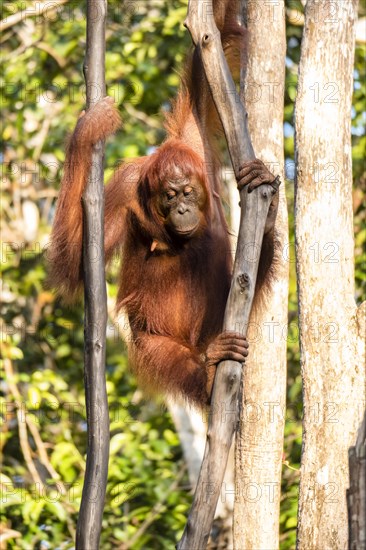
point(331, 326)
point(259, 444)
point(92, 503)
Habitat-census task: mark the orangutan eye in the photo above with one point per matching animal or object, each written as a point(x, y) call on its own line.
point(187, 191)
point(171, 194)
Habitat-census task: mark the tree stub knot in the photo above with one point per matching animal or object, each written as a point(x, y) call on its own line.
point(206, 39)
point(244, 282)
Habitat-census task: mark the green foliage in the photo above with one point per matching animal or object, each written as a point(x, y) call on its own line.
point(358, 157)
point(43, 397)
point(44, 424)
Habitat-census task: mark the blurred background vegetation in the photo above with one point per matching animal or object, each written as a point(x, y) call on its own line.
point(43, 433)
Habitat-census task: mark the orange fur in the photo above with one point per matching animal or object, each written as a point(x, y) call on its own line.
point(174, 290)
point(65, 250)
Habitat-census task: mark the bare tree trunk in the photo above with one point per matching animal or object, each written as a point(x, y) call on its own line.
point(95, 482)
point(331, 326)
point(259, 444)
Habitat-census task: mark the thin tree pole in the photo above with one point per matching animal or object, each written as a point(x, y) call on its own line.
point(92, 502)
point(254, 209)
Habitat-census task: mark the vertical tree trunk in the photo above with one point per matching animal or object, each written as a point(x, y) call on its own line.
point(260, 437)
point(332, 350)
point(95, 482)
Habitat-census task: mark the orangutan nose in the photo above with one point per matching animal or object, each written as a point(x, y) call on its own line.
point(182, 208)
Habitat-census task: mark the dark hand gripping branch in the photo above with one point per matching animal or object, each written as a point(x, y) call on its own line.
point(254, 210)
point(92, 503)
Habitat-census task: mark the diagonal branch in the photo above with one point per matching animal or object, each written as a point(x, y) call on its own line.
point(254, 209)
point(34, 10)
